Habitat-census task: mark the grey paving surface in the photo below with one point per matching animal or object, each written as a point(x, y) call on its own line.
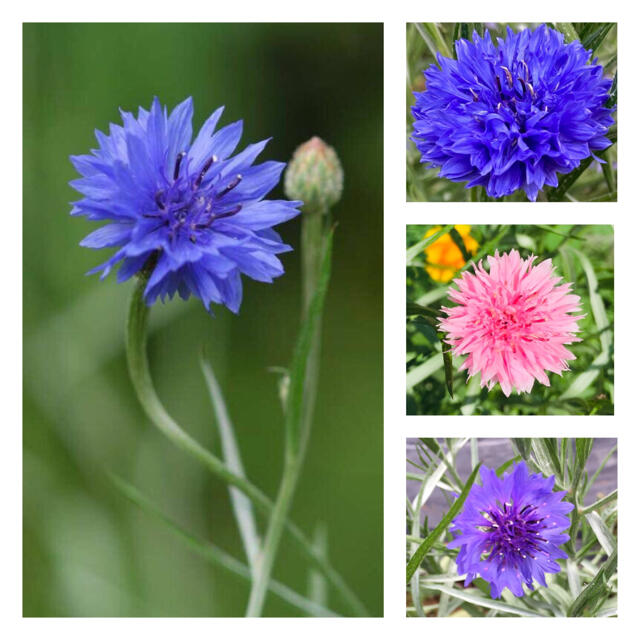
point(495, 451)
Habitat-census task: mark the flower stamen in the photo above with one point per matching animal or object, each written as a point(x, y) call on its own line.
point(176, 168)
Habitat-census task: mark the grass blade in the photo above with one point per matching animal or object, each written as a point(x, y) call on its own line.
point(217, 556)
point(242, 507)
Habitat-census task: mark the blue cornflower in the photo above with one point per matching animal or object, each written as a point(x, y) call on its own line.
point(189, 211)
point(513, 115)
point(510, 530)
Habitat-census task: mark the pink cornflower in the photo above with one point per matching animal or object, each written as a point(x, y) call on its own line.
point(512, 322)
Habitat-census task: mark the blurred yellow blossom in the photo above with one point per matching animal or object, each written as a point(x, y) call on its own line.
point(443, 256)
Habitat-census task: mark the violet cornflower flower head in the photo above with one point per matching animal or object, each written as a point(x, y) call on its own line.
point(512, 322)
point(188, 210)
point(510, 530)
point(512, 115)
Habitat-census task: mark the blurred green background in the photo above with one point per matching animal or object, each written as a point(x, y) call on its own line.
point(582, 255)
point(87, 551)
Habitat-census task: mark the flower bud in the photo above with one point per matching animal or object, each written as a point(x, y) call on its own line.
point(314, 176)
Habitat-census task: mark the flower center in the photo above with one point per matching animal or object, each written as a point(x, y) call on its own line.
point(508, 319)
point(189, 205)
point(515, 94)
point(513, 534)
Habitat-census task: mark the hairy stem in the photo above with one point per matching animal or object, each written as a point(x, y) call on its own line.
point(314, 240)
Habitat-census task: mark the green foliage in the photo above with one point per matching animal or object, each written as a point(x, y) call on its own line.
point(587, 584)
point(589, 182)
point(582, 255)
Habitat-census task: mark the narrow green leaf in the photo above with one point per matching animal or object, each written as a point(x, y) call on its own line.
point(605, 537)
point(317, 586)
point(459, 242)
point(600, 503)
point(217, 556)
point(436, 36)
point(607, 171)
point(546, 453)
point(550, 229)
point(573, 576)
point(523, 446)
point(586, 378)
point(431, 45)
point(597, 304)
point(613, 92)
point(414, 250)
point(471, 397)
point(298, 369)
point(242, 506)
point(489, 603)
point(503, 467)
point(474, 452)
point(597, 37)
point(423, 549)
point(568, 30)
point(429, 315)
point(568, 180)
point(599, 469)
point(583, 450)
point(424, 370)
point(596, 589)
point(447, 361)
point(565, 452)
point(433, 445)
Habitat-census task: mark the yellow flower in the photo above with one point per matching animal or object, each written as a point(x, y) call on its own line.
point(443, 256)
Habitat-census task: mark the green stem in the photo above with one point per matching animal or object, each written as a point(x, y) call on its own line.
point(277, 522)
point(136, 333)
point(219, 557)
point(314, 237)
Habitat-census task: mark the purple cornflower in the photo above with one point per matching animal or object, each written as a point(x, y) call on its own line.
point(513, 115)
point(510, 530)
point(189, 211)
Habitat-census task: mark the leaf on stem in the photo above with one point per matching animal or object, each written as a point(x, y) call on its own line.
point(605, 537)
point(596, 589)
point(298, 369)
point(426, 545)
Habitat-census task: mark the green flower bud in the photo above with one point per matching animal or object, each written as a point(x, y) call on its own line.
point(314, 176)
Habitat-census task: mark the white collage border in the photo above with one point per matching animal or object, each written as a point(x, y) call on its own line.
point(397, 213)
